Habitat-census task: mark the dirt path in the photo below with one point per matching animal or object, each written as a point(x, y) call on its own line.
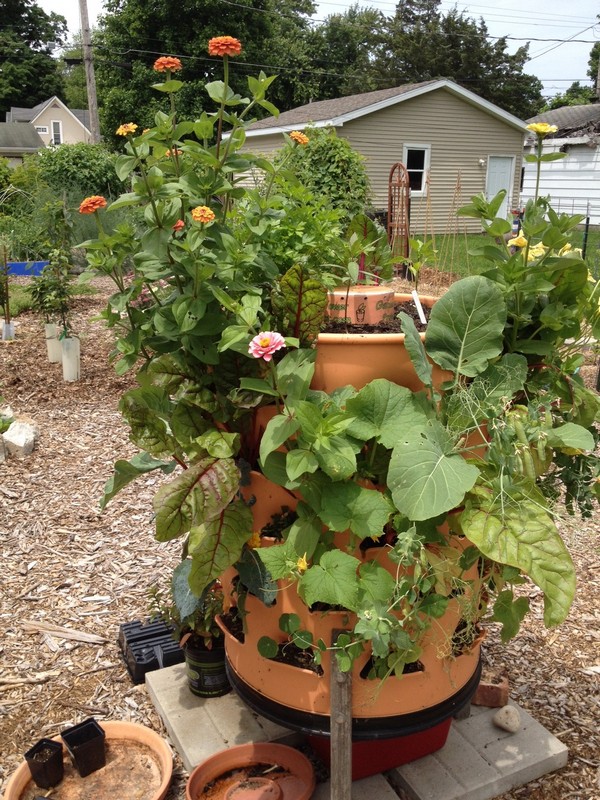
point(66, 563)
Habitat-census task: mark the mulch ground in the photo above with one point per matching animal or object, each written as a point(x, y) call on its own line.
point(67, 565)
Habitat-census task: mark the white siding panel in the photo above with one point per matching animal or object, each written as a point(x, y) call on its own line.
point(573, 183)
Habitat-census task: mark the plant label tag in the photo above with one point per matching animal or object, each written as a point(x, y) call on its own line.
point(419, 307)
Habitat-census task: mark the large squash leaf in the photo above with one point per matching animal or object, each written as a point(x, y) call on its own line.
point(426, 476)
point(345, 504)
point(509, 525)
point(332, 581)
point(384, 411)
point(466, 326)
point(196, 496)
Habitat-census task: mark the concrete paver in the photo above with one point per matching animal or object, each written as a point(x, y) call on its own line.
point(478, 762)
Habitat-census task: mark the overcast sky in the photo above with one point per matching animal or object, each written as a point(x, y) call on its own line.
point(556, 63)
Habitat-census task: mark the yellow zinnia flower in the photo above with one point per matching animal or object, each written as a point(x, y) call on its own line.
point(126, 129)
point(202, 214)
point(254, 541)
point(542, 128)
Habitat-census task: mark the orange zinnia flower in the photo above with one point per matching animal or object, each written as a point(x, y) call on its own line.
point(91, 204)
point(124, 130)
point(224, 46)
point(167, 64)
point(175, 152)
point(299, 137)
point(202, 214)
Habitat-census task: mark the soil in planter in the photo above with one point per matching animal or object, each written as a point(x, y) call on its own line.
point(463, 637)
point(289, 653)
point(233, 622)
point(409, 669)
point(385, 326)
point(279, 523)
point(251, 777)
point(132, 772)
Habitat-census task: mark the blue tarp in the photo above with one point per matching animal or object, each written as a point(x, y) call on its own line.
point(26, 267)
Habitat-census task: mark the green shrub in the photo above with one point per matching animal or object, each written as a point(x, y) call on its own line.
point(331, 168)
point(84, 168)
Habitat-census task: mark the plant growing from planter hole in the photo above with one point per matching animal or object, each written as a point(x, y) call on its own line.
point(192, 617)
point(389, 466)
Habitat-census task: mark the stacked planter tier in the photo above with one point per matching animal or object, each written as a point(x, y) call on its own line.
point(300, 698)
point(412, 712)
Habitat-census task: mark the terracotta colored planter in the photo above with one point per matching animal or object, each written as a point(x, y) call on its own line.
point(361, 305)
point(300, 698)
point(296, 782)
point(358, 358)
point(116, 732)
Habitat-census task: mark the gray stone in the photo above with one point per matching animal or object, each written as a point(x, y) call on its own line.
point(2, 450)
point(20, 439)
point(508, 719)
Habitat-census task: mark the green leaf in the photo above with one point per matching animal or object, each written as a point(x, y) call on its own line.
point(383, 411)
point(426, 477)
point(185, 600)
point(147, 410)
point(343, 505)
point(332, 581)
point(571, 436)
point(258, 385)
point(124, 166)
point(188, 311)
point(510, 526)
point(217, 544)
point(376, 582)
point(267, 647)
point(201, 492)
point(498, 227)
point(127, 471)
point(188, 422)
point(509, 613)
point(300, 461)
point(416, 349)
point(278, 430)
point(304, 302)
point(168, 86)
point(255, 577)
point(466, 326)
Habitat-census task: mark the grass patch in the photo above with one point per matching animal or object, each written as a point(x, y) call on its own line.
point(453, 252)
point(20, 297)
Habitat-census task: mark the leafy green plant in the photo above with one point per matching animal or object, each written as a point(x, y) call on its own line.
point(330, 168)
point(192, 617)
point(452, 480)
point(51, 291)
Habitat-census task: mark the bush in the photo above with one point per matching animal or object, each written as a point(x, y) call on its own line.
point(330, 168)
point(84, 168)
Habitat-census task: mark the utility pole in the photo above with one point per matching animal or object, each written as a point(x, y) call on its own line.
point(90, 78)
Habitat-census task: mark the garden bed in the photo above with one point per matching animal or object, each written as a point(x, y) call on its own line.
point(66, 564)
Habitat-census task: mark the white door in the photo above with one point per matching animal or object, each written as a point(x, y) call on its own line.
point(500, 174)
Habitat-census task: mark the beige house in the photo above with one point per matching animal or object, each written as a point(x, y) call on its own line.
point(453, 143)
point(54, 122)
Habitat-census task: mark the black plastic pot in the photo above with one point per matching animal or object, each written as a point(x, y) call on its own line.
point(45, 761)
point(85, 743)
point(206, 672)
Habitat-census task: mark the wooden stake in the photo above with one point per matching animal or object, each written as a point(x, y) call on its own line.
point(341, 730)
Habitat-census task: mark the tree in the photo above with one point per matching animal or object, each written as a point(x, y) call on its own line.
point(73, 73)
point(28, 38)
point(575, 95)
point(133, 33)
point(422, 44)
point(594, 65)
point(344, 50)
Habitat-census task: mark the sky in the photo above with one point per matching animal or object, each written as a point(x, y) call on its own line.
point(556, 63)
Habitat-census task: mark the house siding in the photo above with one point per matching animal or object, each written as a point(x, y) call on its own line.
point(72, 130)
point(573, 183)
point(459, 134)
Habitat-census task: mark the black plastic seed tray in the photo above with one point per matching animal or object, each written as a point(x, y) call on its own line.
point(148, 647)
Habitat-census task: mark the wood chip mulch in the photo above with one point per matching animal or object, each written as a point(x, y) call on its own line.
point(72, 574)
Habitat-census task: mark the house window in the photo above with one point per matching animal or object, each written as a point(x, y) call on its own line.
point(416, 159)
point(56, 131)
point(41, 128)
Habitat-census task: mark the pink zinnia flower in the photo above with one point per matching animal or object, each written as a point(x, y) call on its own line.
point(265, 344)
point(179, 225)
